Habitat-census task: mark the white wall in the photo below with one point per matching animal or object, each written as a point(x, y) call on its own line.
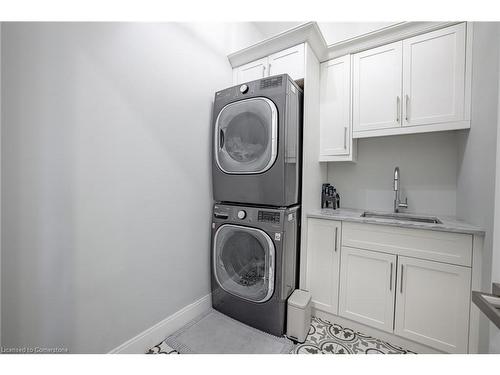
point(477, 168)
point(335, 32)
point(225, 37)
point(0, 185)
point(428, 166)
point(495, 269)
point(106, 177)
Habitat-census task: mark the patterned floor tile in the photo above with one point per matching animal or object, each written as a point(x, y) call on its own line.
point(330, 338)
point(326, 338)
point(162, 348)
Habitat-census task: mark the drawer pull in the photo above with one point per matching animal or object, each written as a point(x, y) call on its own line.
point(397, 109)
point(401, 286)
point(336, 231)
point(407, 108)
point(390, 279)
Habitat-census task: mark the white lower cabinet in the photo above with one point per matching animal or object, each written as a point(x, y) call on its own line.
point(323, 260)
point(432, 304)
point(367, 287)
point(394, 279)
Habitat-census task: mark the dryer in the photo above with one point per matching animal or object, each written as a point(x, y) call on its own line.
point(254, 251)
point(257, 149)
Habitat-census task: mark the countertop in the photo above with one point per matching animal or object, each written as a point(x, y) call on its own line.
point(449, 224)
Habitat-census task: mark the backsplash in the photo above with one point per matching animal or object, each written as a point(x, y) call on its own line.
point(428, 166)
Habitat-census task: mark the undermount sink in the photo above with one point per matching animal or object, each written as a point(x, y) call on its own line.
point(401, 217)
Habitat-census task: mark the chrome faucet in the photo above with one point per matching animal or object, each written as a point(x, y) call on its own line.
point(397, 188)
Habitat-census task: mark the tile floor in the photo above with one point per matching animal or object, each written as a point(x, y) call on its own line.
point(326, 338)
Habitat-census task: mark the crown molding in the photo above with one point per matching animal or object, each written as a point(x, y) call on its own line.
point(310, 33)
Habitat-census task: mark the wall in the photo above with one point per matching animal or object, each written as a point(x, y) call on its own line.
point(428, 166)
point(106, 188)
point(226, 37)
point(0, 185)
point(477, 164)
point(335, 32)
point(495, 268)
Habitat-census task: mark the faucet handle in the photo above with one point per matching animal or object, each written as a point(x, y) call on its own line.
point(405, 204)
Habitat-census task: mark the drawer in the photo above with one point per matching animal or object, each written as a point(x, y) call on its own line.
point(447, 247)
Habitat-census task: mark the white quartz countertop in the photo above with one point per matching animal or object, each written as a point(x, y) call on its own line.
point(449, 224)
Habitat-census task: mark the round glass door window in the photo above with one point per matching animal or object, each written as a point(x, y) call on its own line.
point(244, 262)
point(246, 136)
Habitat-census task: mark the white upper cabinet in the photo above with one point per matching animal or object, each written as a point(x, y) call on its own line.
point(432, 304)
point(419, 84)
point(336, 142)
point(434, 77)
point(289, 61)
point(251, 71)
point(323, 260)
point(377, 88)
point(367, 287)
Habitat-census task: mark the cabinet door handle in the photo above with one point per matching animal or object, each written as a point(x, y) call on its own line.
point(263, 70)
point(398, 108)
point(407, 108)
point(401, 286)
point(390, 279)
point(345, 138)
point(336, 232)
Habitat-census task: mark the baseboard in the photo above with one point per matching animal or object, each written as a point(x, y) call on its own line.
point(157, 333)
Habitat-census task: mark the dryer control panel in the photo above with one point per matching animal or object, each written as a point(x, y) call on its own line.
point(268, 217)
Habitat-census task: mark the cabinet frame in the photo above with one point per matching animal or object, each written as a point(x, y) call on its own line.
point(348, 150)
point(394, 72)
point(260, 64)
point(388, 285)
point(462, 123)
point(463, 275)
point(458, 80)
point(468, 341)
point(314, 254)
point(267, 62)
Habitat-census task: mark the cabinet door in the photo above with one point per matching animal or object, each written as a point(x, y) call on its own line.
point(251, 71)
point(432, 304)
point(335, 106)
point(367, 287)
point(323, 259)
point(377, 88)
point(434, 77)
point(290, 61)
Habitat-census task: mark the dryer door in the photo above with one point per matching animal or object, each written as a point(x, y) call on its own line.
point(246, 136)
point(244, 261)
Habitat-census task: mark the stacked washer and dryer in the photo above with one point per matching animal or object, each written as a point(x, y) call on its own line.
point(256, 170)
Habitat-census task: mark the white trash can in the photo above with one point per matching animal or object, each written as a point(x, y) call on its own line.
point(299, 315)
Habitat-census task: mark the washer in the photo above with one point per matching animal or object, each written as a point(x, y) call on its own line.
point(257, 142)
point(254, 251)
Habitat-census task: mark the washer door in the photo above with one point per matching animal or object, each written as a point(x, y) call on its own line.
point(246, 136)
point(243, 262)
